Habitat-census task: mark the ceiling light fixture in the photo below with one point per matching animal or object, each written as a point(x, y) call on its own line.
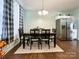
point(42, 11)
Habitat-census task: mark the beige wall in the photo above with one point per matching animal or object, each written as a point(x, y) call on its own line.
point(75, 13)
point(32, 20)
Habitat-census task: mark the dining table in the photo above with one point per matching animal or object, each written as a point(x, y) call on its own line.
point(40, 34)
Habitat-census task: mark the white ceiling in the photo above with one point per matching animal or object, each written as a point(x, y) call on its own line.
point(50, 5)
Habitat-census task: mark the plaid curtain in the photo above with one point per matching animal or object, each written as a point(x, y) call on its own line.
point(7, 30)
point(21, 16)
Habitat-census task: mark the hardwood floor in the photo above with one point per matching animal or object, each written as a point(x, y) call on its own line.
point(71, 51)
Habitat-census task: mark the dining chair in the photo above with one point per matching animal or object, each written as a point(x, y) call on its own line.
point(45, 36)
point(21, 36)
point(34, 37)
point(52, 37)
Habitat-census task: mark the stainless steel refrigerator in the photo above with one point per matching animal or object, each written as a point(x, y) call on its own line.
point(64, 30)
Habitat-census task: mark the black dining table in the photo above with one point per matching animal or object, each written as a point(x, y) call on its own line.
point(29, 34)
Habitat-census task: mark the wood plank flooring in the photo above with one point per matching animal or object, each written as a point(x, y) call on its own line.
point(71, 49)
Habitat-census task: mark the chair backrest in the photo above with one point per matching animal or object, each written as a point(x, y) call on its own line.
point(34, 33)
point(45, 33)
point(31, 31)
point(20, 32)
point(54, 30)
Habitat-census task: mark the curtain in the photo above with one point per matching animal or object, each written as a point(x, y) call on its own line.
point(7, 30)
point(21, 16)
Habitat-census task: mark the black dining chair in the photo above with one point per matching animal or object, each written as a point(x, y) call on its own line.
point(34, 37)
point(45, 36)
point(52, 37)
point(54, 30)
point(21, 36)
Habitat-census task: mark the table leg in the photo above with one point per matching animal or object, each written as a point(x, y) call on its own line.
point(20, 41)
point(54, 41)
point(23, 42)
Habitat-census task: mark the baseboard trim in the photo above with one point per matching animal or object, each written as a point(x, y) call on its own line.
point(10, 46)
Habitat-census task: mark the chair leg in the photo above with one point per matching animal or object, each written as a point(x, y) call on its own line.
point(49, 44)
point(46, 42)
point(28, 42)
point(38, 45)
point(30, 45)
point(41, 45)
point(20, 42)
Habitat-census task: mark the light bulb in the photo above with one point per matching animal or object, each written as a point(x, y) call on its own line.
point(45, 12)
point(39, 12)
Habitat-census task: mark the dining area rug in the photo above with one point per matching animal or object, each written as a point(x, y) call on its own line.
point(45, 49)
